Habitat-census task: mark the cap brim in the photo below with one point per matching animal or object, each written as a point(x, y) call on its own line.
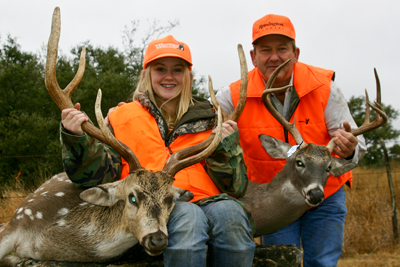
point(169, 55)
point(270, 33)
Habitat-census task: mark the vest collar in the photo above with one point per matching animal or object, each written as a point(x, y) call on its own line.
point(304, 81)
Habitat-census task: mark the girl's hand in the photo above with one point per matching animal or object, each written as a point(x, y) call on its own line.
point(72, 119)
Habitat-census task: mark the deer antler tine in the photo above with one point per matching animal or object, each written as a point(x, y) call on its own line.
point(243, 86)
point(367, 110)
point(273, 76)
point(181, 159)
point(378, 87)
point(266, 99)
point(380, 117)
point(123, 150)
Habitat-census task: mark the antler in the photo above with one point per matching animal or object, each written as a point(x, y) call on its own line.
point(380, 115)
point(181, 159)
point(63, 97)
point(266, 99)
point(239, 107)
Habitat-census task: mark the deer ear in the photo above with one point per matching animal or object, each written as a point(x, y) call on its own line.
point(341, 166)
point(182, 194)
point(102, 195)
point(274, 147)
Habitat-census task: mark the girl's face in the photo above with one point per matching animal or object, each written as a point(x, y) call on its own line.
point(166, 77)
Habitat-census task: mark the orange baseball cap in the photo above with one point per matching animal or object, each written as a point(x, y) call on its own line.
point(167, 47)
point(273, 24)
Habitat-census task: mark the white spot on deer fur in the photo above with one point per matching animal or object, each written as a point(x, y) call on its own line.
point(39, 215)
point(60, 194)
point(39, 189)
point(83, 204)
point(63, 211)
point(19, 210)
point(44, 193)
point(28, 212)
point(30, 200)
point(61, 223)
point(68, 181)
point(20, 216)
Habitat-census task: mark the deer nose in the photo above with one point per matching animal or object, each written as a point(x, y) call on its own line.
point(155, 242)
point(315, 196)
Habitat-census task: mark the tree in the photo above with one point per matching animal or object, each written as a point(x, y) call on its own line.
point(374, 155)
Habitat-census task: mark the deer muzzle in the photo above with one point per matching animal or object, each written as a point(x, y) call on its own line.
point(314, 197)
point(155, 243)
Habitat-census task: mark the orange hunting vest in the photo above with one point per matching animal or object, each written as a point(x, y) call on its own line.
point(137, 128)
point(312, 85)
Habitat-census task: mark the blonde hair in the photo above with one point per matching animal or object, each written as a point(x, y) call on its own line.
point(184, 95)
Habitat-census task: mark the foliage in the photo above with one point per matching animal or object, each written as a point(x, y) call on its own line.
point(374, 155)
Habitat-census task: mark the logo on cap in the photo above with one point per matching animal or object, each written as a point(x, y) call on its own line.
point(271, 24)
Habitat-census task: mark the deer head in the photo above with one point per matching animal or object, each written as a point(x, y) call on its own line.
point(310, 161)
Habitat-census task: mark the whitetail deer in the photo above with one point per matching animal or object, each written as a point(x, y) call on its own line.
point(300, 184)
point(62, 222)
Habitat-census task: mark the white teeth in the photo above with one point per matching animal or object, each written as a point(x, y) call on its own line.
point(168, 85)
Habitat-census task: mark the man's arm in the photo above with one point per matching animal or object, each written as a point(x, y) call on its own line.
point(336, 113)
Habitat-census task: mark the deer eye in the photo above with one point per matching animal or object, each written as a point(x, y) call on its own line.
point(132, 199)
point(329, 169)
point(300, 163)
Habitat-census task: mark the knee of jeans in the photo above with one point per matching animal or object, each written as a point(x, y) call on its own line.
point(228, 215)
point(186, 215)
point(229, 208)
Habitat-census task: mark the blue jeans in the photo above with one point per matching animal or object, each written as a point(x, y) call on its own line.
point(220, 228)
point(320, 230)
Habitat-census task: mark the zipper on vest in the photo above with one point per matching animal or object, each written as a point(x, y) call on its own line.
point(286, 136)
point(168, 149)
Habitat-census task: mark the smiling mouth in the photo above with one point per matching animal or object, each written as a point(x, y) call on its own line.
point(168, 85)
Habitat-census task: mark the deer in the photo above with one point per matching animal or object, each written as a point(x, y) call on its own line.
point(300, 184)
point(62, 222)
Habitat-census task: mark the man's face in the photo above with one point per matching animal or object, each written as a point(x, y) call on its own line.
point(270, 52)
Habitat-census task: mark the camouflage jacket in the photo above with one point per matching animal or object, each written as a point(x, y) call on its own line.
point(88, 162)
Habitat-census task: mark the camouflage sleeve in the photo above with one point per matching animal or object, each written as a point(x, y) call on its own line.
point(87, 161)
point(226, 167)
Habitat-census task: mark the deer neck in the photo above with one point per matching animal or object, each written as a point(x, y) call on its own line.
point(274, 205)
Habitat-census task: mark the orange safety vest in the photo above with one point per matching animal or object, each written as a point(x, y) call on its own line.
point(137, 128)
point(312, 85)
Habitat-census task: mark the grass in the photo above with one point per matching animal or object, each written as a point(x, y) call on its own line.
point(368, 237)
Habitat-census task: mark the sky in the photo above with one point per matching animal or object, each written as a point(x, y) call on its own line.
point(350, 37)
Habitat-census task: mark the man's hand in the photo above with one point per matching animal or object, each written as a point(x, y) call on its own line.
point(107, 121)
point(346, 142)
point(228, 128)
point(72, 119)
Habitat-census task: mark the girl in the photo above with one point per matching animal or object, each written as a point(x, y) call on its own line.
point(163, 118)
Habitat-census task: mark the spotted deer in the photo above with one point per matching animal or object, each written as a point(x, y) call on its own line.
point(63, 222)
point(300, 184)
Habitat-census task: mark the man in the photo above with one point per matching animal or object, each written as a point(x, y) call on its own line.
point(319, 107)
